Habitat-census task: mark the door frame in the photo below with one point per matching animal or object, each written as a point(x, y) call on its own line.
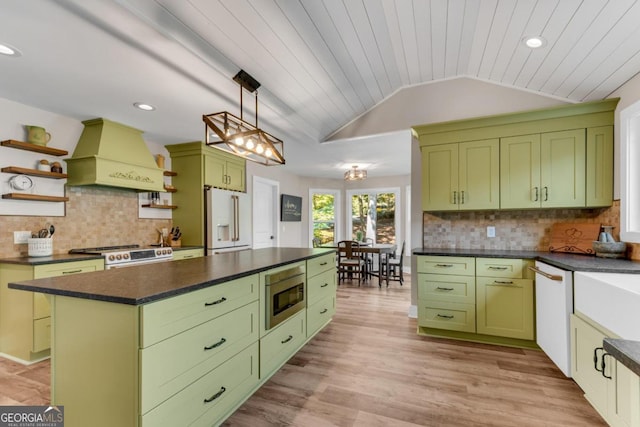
point(275, 189)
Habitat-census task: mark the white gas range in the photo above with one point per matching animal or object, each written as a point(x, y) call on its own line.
point(128, 255)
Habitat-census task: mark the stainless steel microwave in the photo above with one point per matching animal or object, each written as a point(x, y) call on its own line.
point(285, 294)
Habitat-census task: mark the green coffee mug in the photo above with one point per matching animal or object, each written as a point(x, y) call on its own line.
point(37, 135)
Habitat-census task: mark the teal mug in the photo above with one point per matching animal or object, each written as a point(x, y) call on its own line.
point(37, 135)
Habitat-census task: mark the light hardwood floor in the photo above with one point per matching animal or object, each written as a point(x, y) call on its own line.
point(368, 367)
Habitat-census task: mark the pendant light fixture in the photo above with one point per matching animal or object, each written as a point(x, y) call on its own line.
point(235, 135)
point(355, 174)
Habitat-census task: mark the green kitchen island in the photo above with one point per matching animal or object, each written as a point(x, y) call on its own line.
point(176, 343)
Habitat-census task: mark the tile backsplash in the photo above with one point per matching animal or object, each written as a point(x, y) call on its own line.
point(523, 229)
point(95, 216)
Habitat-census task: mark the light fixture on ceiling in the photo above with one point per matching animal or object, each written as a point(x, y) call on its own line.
point(237, 136)
point(534, 42)
point(355, 174)
point(143, 106)
point(8, 50)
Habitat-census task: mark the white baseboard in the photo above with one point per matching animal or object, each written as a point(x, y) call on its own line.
point(21, 361)
point(413, 311)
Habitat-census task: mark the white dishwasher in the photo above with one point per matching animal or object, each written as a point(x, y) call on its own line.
point(554, 306)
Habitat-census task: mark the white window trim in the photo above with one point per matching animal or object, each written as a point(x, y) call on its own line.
point(337, 206)
point(398, 213)
point(630, 173)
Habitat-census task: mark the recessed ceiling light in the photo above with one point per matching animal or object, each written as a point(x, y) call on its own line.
point(534, 42)
point(8, 50)
point(143, 106)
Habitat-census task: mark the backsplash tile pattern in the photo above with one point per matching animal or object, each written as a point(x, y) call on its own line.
point(523, 229)
point(95, 216)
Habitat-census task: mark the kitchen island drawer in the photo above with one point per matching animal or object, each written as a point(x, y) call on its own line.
point(321, 286)
point(448, 288)
point(320, 313)
point(41, 334)
point(67, 268)
point(193, 353)
point(447, 315)
point(282, 342)
point(462, 266)
point(163, 319)
point(500, 267)
point(320, 264)
point(208, 400)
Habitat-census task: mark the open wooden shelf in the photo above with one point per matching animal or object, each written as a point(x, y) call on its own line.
point(34, 197)
point(33, 147)
point(170, 173)
point(160, 206)
point(34, 172)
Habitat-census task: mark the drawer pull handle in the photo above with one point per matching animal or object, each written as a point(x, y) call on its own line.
point(444, 265)
point(221, 300)
point(289, 338)
point(604, 365)
point(595, 360)
point(444, 316)
point(502, 282)
point(324, 263)
point(215, 396)
point(188, 256)
point(497, 268)
point(218, 344)
point(440, 288)
point(72, 271)
point(324, 286)
point(324, 311)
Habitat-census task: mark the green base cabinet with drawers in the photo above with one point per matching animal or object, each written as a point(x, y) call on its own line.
point(179, 254)
point(476, 299)
point(25, 317)
point(560, 157)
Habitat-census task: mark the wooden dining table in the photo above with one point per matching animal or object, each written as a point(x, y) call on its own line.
point(384, 250)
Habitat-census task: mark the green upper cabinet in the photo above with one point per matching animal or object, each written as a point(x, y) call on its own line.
point(560, 157)
point(462, 176)
point(224, 171)
point(543, 170)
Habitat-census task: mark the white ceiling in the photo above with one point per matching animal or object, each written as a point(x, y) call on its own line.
point(321, 63)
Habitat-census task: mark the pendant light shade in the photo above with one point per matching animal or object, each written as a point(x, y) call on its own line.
point(355, 174)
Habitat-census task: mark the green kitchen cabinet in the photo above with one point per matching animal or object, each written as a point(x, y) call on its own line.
point(543, 170)
point(321, 292)
point(505, 307)
point(462, 176)
point(198, 165)
point(600, 166)
point(179, 254)
point(25, 317)
point(611, 388)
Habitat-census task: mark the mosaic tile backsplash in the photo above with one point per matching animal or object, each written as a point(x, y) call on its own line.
point(95, 216)
point(525, 230)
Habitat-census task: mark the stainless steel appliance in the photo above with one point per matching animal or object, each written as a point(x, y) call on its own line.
point(285, 294)
point(554, 305)
point(127, 255)
point(227, 220)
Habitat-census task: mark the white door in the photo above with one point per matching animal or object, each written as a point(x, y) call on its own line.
point(265, 205)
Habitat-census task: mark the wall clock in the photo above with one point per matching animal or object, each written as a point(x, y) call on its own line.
point(21, 182)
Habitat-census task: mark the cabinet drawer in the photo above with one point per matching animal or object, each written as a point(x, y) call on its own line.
point(321, 286)
point(187, 253)
point(67, 268)
point(447, 315)
point(320, 264)
point(207, 400)
point(462, 266)
point(193, 353)
point(442, 287)
point(499, 267)
point(320, 313)
point(162, 319)
point(41, 306)
point(280, 344)
point(41, 334)
point(505, 307)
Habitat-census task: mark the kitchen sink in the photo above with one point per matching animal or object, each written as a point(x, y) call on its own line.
point(610, 299)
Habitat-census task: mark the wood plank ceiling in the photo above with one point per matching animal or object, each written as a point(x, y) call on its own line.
point(322, 63)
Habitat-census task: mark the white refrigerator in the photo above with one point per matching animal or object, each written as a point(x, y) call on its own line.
point(228, 221)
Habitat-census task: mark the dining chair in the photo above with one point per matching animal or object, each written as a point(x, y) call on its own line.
point(350, 261)
point(316, 242)
point(395, 267)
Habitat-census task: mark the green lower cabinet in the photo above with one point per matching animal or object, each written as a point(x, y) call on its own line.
point(505, 307)
point(320, 313)
point(281, 343)
point(179, 254)
point(447, 315)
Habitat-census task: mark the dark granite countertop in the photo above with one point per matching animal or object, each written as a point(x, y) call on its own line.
point(151, 282)
point(53, 259)
point(625, 351)
point(565, 261)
